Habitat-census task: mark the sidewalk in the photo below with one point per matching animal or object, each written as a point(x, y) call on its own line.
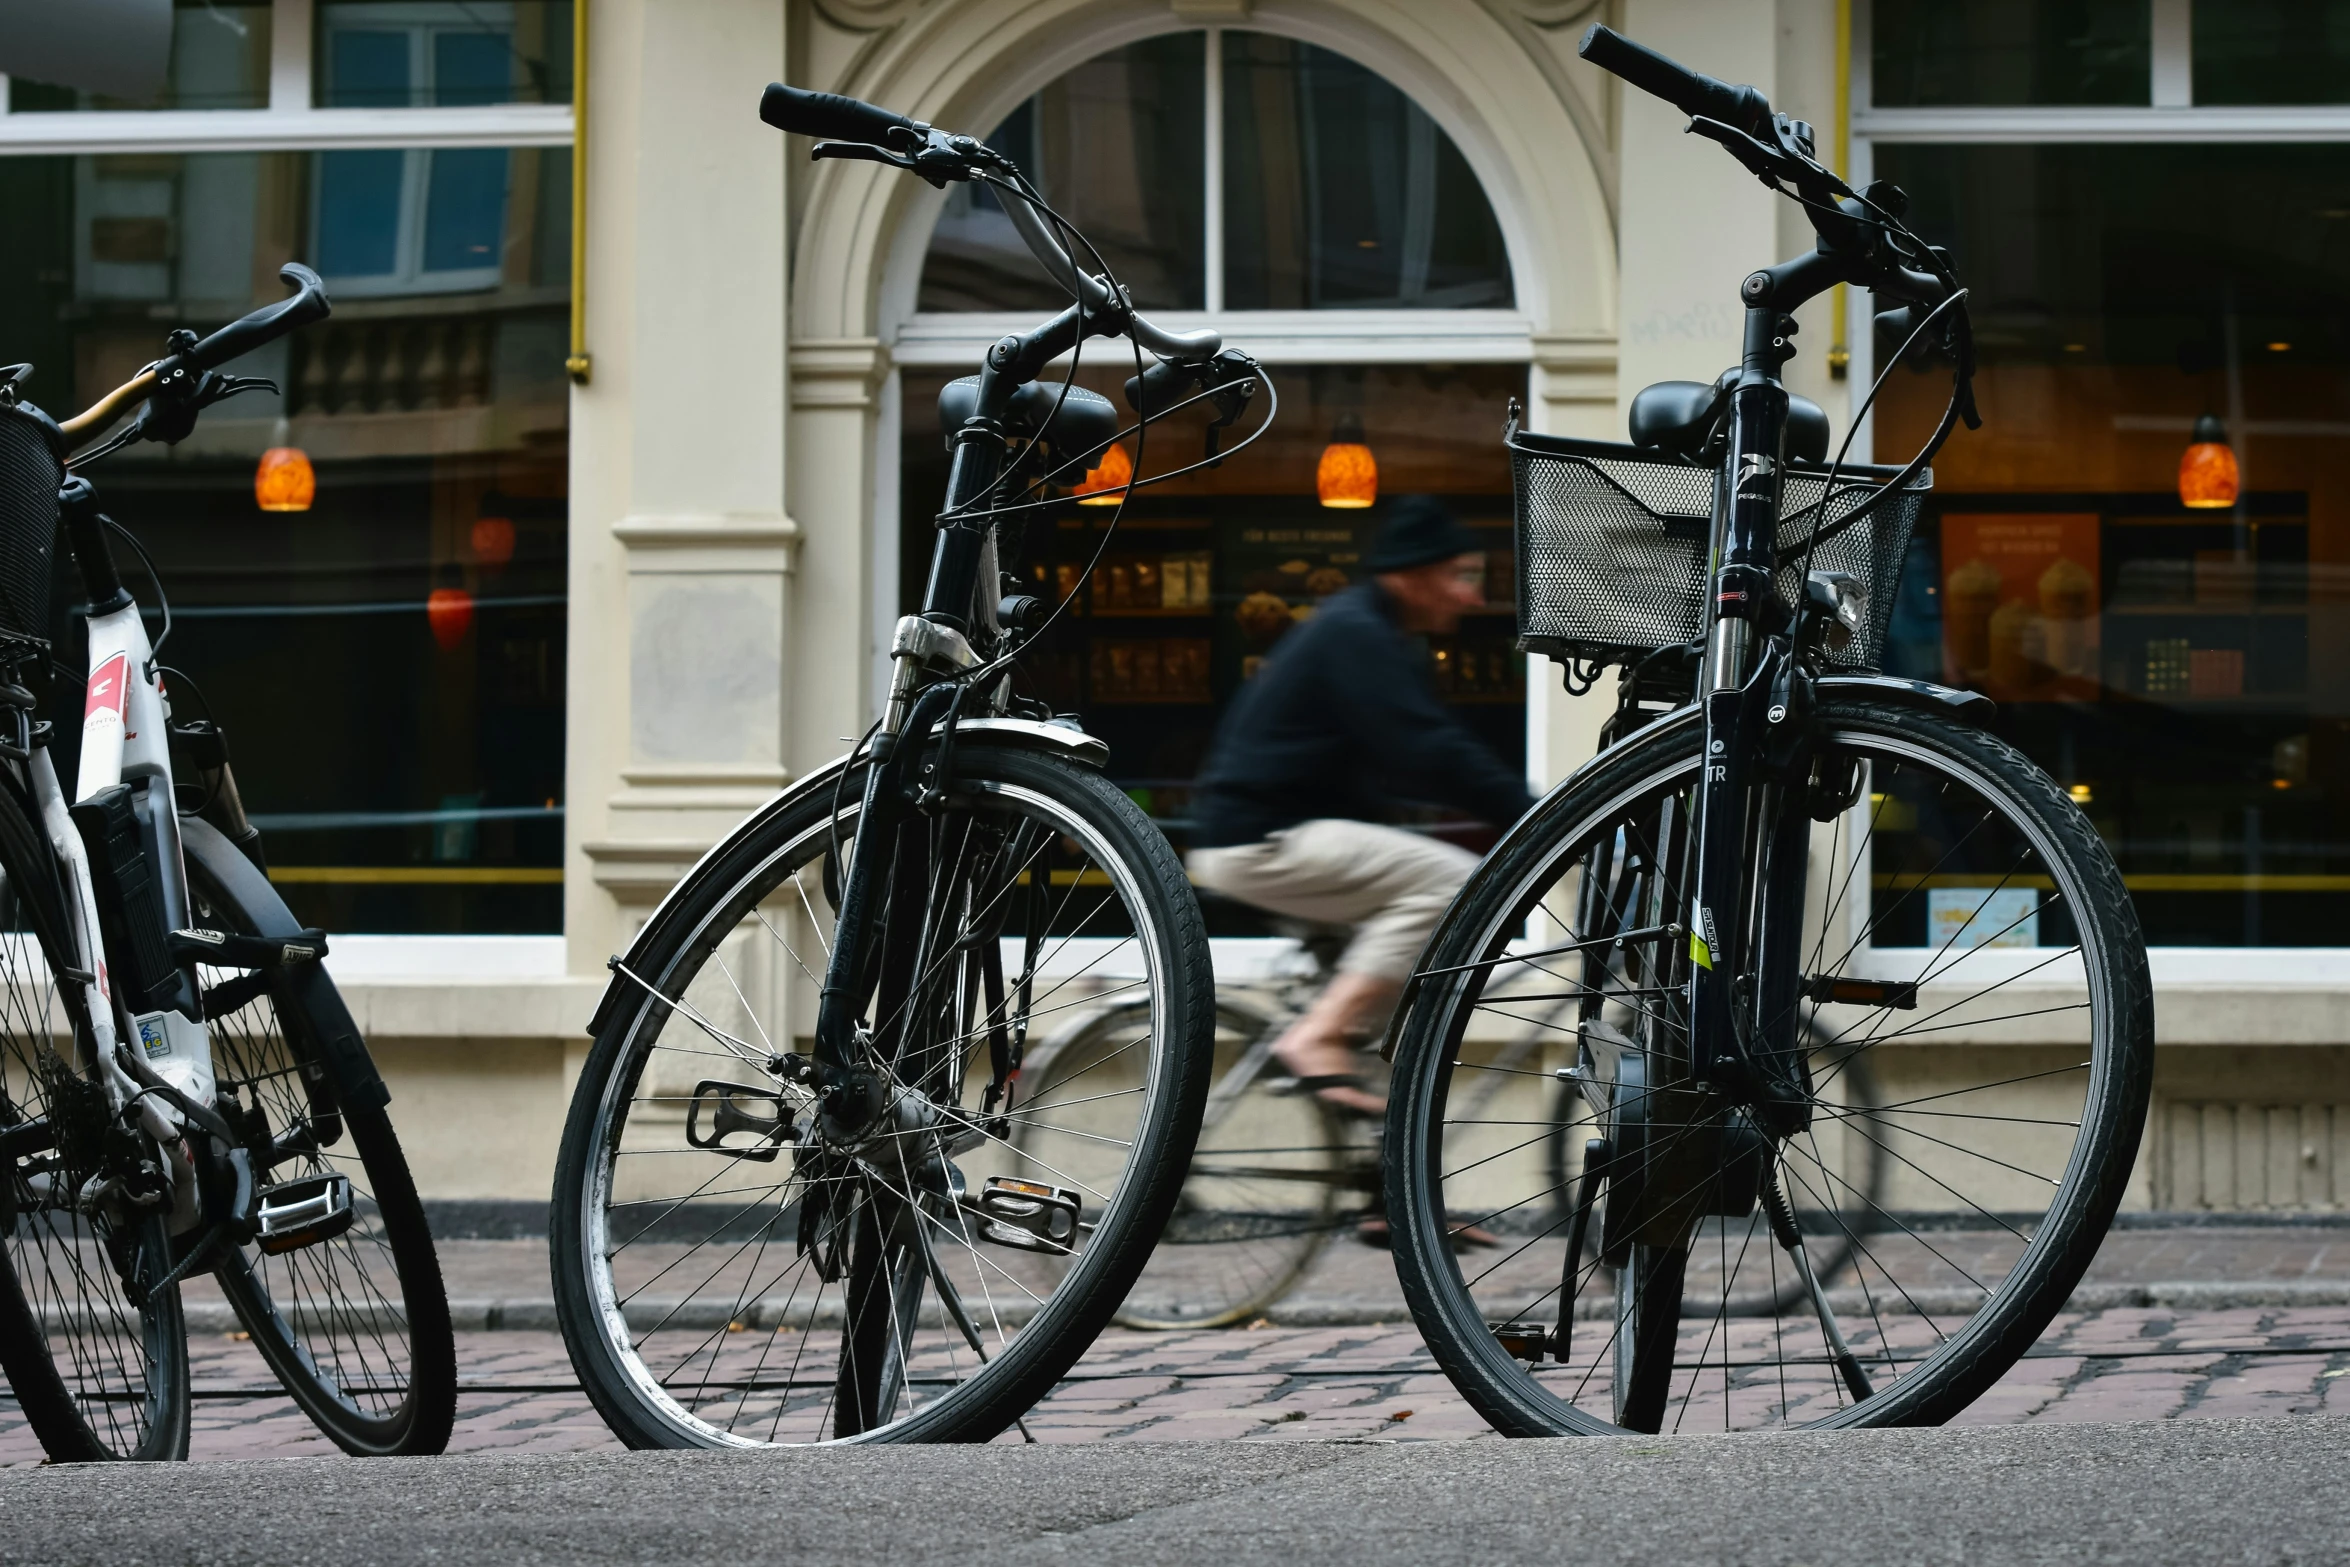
point(2174, 1321)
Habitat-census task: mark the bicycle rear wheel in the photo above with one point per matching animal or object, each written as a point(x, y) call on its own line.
point(355, 1324)
point(728, 1275)
point(2011, 1086)
point(97, 1376)
point(1271, 1178)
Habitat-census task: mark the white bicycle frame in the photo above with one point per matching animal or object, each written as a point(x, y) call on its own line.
point(125, 736)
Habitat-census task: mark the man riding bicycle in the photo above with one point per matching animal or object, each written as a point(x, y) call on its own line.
point(1340, 725)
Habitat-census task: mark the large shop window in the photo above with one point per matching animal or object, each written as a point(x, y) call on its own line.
point(1205, 575)
point(1338, 192)
point(389, 663)
point(2185, 670)
point(219, 60)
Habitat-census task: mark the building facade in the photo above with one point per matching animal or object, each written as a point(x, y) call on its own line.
point(576, 625)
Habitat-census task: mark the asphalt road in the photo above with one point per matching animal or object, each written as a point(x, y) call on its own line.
point(2207, 1492)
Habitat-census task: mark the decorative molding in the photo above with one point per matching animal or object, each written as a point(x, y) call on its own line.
point(1211, 10)
point(1549, 31)
point(1577, 367)
point(1273, 336)
point(838, 372)
point(266, 130)
point(641, 871)
point(706, 775)
point(696, 531)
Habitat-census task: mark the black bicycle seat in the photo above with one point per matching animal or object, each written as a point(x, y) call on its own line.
point(1084, 422)
point(1680, 417)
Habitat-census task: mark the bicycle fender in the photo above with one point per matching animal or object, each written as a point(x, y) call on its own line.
point(1027, 734)
point(340, 1047)
point(1971, 707)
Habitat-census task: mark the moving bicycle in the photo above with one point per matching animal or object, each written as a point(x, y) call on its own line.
point(182, 1091)
point(1783, 870)
point(808, 1190)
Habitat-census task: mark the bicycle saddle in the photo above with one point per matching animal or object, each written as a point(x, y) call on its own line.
point(1681, 417)
point(1084, 422)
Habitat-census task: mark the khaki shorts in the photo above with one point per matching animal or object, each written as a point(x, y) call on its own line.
point(1390, 885)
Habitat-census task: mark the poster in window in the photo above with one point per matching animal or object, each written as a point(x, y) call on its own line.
point(2020, 604)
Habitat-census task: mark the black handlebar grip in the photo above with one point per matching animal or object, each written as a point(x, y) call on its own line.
point(266, 325)
point(830, 115)
point(1692, 92)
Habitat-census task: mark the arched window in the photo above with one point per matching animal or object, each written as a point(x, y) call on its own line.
point(1330, 189)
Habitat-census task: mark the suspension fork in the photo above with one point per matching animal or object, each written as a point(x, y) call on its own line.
point(1737, 678)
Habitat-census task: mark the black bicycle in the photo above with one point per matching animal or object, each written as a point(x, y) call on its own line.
point(1782, 871)
point(805, 1192)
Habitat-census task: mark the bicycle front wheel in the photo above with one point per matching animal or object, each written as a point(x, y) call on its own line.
point(97, 1361)
point(729, 1275)
point(355, 1323)
point(1964, 934)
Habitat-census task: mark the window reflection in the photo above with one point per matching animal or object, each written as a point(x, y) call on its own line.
point(397, 54)
point(219, 60)
point(1340, 192)
point(2186, 672)
point(408, 774)
point(1933, 53)
point(1118, 147)
point(2272, 51)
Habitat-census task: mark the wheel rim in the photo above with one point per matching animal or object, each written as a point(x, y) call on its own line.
point(111, 1358)
point(721, 1324)
point(1922, 1267)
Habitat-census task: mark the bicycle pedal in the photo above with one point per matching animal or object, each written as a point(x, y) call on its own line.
point(295, 1214)
point(737, 1108)
point(1026, 1215)
point(1528, 1341)
point(1901, 995)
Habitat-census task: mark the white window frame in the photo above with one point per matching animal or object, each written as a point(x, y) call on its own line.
point(2171, 117)
point(292, 123)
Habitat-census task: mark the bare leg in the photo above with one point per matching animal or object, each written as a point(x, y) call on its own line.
point(1321, 1043)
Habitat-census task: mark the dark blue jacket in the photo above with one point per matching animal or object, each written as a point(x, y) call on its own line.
point(1342, 720)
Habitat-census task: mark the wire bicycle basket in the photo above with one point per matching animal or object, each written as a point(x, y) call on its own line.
point(1612, 543)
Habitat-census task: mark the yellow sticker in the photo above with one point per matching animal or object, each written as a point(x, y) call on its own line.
point(1699, 953)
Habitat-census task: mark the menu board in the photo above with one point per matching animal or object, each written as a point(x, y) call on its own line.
point(1274, 575)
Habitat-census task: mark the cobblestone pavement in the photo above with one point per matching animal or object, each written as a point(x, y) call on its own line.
point(1283, 1384)
point(2189, 1322)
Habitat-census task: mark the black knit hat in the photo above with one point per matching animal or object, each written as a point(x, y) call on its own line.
point(1418, 530)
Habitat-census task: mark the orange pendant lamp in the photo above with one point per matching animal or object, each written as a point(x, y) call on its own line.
point(1347, 478)
point(285, 481)
point(450, 610)
point(493, 540)
point(1106, 485)
point(2207, 469)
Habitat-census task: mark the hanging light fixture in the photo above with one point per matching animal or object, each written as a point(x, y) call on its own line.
point(1347, 477)
point(493, 540)
point(450, 610)
point(2207, 469)
point(1106, 485)
point(285, 481)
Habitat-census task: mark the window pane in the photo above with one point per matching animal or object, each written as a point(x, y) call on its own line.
point(1206, 573)
point(2273, 51)
point(359, 199)
point(452, 52)
point(1931, 52)
point(368, 69)
point(1118, 148)
point(407, 770)
point(465, 209)
point(1340, 192)
point(2186, 671)
point(219, 60)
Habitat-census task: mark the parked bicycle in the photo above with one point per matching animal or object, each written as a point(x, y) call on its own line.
point(182, 1090)
point(807, 1190)
point(1783, 867)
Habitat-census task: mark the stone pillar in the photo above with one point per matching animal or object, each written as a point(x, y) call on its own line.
point(682, 547)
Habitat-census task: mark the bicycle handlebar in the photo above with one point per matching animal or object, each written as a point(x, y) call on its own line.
point(178, 371)
point(807, 113)
point(1692, 92)
point(912, 145)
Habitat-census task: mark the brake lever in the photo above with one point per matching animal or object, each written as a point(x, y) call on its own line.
point(170, 417)
point(937, 163)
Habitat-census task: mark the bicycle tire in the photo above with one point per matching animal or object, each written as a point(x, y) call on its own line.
point(1255, 1255)
point(692, 1368)
point(1932, 788)
point(356, 1326)
point(96, 1377)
